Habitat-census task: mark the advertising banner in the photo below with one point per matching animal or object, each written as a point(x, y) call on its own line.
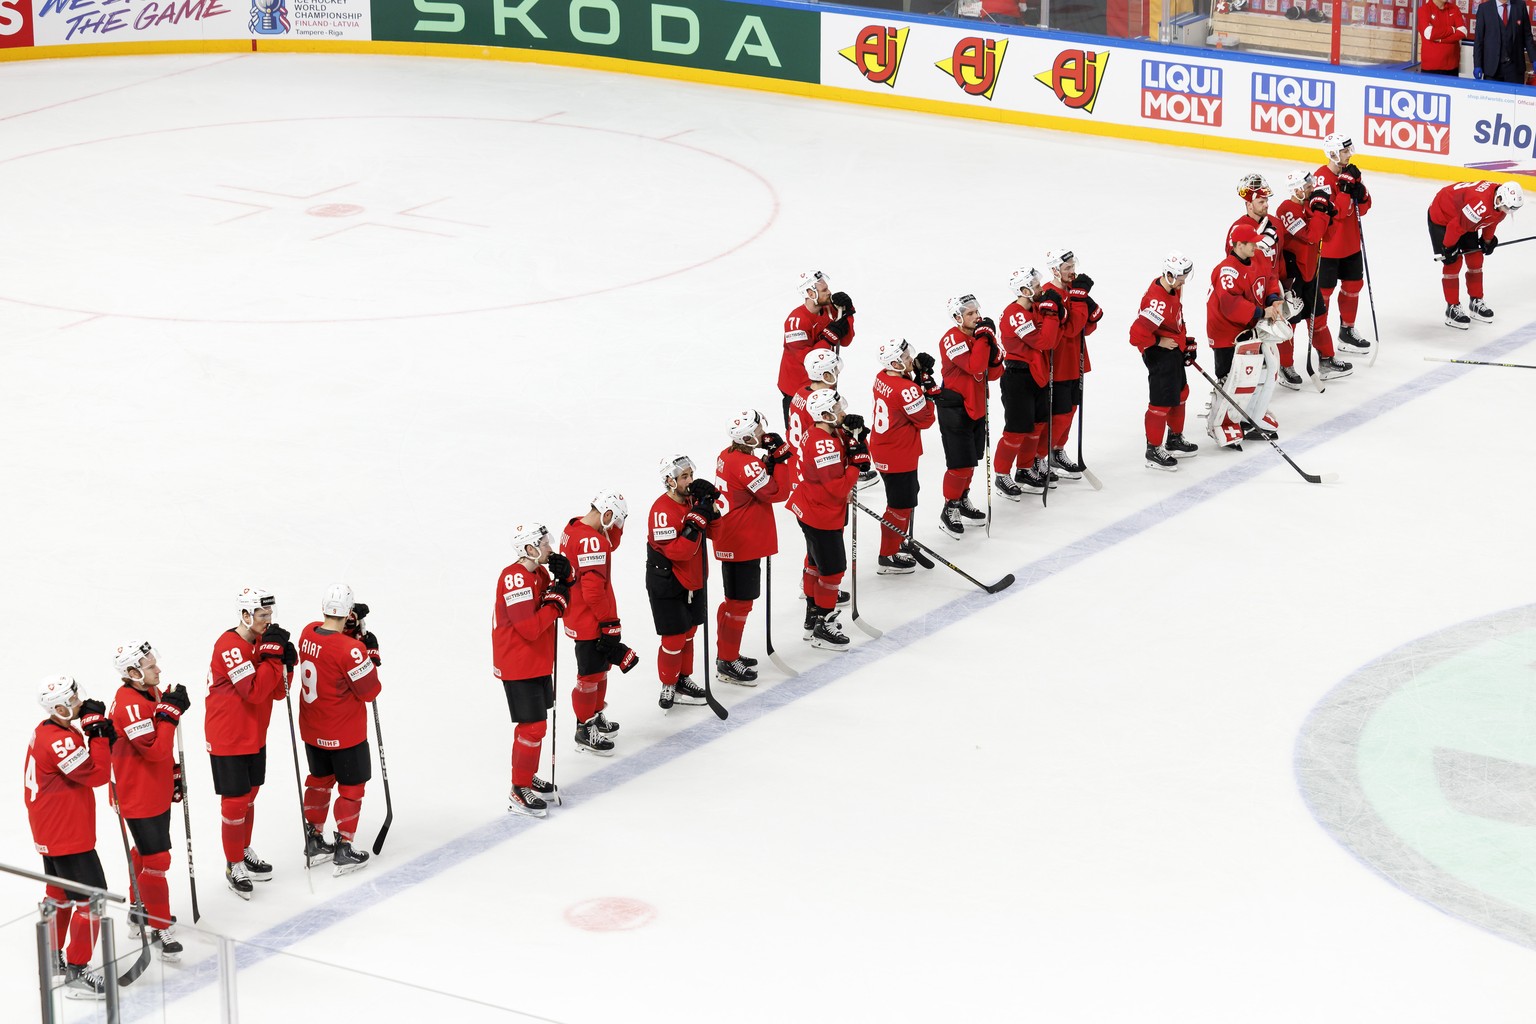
point(767, 42)
point(72, 22)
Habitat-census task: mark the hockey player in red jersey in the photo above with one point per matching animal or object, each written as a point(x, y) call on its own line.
point(1304, 218)
point(903, 408)
point(750, 485)
point(1166, 347)
point(1256, 195)
point(338, 680)
point(832, 454)
point(674, 575)
point(63, 768)
point(248, 672)
point(1343, 262)
point(970, 359)
point(145, 779)
point(592, 620)
point(1462, 219)
point(1030, 332)
point(1241, 297)
point(822, 319)
point(531, 595)
point(1068, 290)
point(822, 369)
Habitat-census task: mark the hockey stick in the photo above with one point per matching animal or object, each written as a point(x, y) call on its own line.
point(986, 433)
point(1517, 241)
point(1474, 362)
point(1311, 478)
point(1088, 474)
point(1050, 410)
point(389, 806)
point(1317, 292)
point(1002, 584)
point(773, 655)
point(298, 781)
point(186, 822)
point(554, 718)
point(137, 906)
point(720, 710)
point(1365, 263)
point(870, 631)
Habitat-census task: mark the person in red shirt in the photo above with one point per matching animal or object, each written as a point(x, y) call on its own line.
point(1304, 218)
point(63, 768)
point(146, 780)
point(822, 319)
point(1166, 347)
point(970, 359)
point(831, 457)
point(674, 575)
point(592, 619)
point(1241, 296)
point(1441, 31)
point(745, 533)
point(1256, 194)
point(1462, 219)
point(531, 595)
point(1068, 290)
point(338, 680)
point(903, 408)
point(248, 673)
point(1030, 333)
point(1343, 258)
point(822, 369)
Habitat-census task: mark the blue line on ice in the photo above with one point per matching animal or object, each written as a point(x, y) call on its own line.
point(499, 830)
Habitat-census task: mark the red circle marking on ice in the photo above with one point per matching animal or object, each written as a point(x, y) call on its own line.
point(334, 210)
point(610, 914)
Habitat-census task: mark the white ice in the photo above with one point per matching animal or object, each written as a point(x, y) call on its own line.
point(289, 320)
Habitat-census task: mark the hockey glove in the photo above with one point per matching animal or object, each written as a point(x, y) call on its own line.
point(987, 322)
point(173, 704)
point(1084, 282)
point(371, 643)
point(93, 718)
point(1322, 204)
point(1191, 351)
point(777, 449)
point(558, 597)
point(928, 384)
point(291, 655)
point(354, 626)
point(837, 330)
point(272, 643)
point(694, 524)
point(616, 653)
point(609, 628)
point(853, 426)
point(858, 455)
point(1076, 294)
point(1488, 245)
point(178, 785)
point(924, 363)
point(843, 302)
point(559, 568)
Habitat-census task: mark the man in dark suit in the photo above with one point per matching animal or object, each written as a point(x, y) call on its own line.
point(1502, 41)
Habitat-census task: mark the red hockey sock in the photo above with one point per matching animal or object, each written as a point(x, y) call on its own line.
point(83, 926)
point(1156, 423)
point(527, 744)
point(730, 623)
point(154, 890)
point(1061, 426)
point(1475, 274)
point(1176, 416)
point(955, 482)
point(317, 804)
point(1349, 302)
point(65, 910)
point(826, 591)
point(890, 540)
point(1450, 283)
point(808, 578)
point(669, 658)
point(585, 701)
point(1039, 444)
point(232, 812)
point(1007, 453)
point(349, 807)
point(250, 814)
point(1288, 351)
point(686, 666)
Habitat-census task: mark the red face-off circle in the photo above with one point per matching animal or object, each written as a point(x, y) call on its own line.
point(610, 914)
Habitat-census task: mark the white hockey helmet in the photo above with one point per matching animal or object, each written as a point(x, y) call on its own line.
point(1296, 181)
point(251, 599)
point(57, 691)
point(338, 601)
point(1509, 197)
point(1056, 259)
point(892, 353)
point(821, 361)
point(1176, 264)
point(673, 466)
point(746, 427)
point(1253, 186)
point(1024, 277)
point(959, 304)
point(606, 501)
point(1334, 144)
point(130, 654)
point(822, 405)
point(528, 535)
point(809, 279)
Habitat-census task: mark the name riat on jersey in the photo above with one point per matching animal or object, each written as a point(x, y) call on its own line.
point(309, 648)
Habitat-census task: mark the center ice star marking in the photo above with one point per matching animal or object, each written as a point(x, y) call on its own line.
point(290, 202)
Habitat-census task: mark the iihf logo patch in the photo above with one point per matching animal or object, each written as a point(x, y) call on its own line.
point(269, 17)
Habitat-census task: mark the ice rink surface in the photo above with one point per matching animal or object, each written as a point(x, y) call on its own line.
point(289, 320)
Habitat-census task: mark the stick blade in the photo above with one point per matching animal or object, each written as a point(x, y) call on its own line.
point(721, 711)
point(869, 631)
point(1092, 478)
point(378, 844)
point(1002, 584)
point(783, 666)
point(1322, 478)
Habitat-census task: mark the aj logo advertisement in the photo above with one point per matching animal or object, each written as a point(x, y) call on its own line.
point(1075, 77)
point(877, 53)
point(974, 64)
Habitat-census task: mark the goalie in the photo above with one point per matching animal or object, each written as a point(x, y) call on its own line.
point(1246, 321)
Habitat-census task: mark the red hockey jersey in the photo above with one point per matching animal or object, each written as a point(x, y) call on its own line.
point(241, 691)
point(1466, 208)
point(59, 780)
point(819, 496)
point(1301, 234)
point(523, 632)
point(144, 756)
point(1239, 295)
point(745, 530)
point(591, 554)
point(901, 413)
point(967, 364)
point(1161, 316)
point(337, 681)
point(1074, 325)
point(805, 331)
point(1343, 236)
point(664, 534)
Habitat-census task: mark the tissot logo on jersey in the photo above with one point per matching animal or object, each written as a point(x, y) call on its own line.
point(975, 64)
point(1186, 93)
point(877, 53)
point(1075, 77)
point(1292, 105)
point(1408, 119)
